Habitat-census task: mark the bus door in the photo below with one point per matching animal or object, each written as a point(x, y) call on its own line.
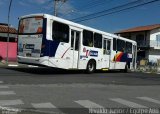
point(75, 41)
point(106, 53)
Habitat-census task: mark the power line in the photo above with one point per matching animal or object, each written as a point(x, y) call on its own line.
point(114, 8)
point(91, 2)
point(96, 3)
point(55, 5)
point(103, 13)
point(48, 3)
point(116, 11)
point(99, 3)
point(88, 6)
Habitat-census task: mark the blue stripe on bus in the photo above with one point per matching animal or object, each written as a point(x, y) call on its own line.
point(44, 36)
point(50, 48)
point(125, 58)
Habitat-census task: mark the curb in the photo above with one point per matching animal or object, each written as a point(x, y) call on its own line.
point(149, 72)
point(16, 66)
point(22, 66)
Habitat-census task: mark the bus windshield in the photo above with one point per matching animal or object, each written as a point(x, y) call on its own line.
point(31, 25)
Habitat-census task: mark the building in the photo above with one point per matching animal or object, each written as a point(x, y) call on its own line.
point(148, 41)
point(12, 44)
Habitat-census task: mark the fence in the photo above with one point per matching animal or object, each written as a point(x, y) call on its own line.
point(146, 66)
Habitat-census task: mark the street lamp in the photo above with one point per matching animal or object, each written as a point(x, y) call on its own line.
point(9, 9)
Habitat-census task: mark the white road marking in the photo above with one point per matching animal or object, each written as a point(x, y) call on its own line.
point(2, 86)
point(10, 102)
point(149, 99)
point(128, 103)
point(43, 105)
point(32, 66)
point(12, 65)
point(88, 104)
point(7, 93)
point(9, 109)
point(1, 82)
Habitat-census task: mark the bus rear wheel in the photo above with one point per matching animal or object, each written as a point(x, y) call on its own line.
point(91, 67)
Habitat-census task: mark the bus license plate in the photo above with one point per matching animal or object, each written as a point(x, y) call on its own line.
point(29, 46)
point(28, 54)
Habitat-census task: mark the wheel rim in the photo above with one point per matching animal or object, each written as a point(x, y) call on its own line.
point(91, 67)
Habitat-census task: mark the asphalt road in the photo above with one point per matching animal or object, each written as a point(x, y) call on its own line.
point(46, 90)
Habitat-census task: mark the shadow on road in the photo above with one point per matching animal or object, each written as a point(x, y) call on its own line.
point(47, 70)
point(54, 76)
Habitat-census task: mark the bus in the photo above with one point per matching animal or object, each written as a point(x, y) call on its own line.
point(46, 40)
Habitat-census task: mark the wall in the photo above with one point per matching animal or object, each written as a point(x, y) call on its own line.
point(141, 44)
point(154, 53)
point(12, 51)
point(146, 35)
point(153, 34)
point(153, 42)
point(133, 35)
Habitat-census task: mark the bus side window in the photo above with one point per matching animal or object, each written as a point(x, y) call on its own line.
point(97, 40)
point(77, 41)
point(60, 32)
point(72, 39)
point(87, 38)
point(128, 47)
point(104, 47)
point(114, 44)
point(108, 47)
point(120, 45)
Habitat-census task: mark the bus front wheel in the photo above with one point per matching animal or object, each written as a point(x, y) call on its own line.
point(91, 67)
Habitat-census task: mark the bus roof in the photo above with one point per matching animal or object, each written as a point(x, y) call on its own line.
point(77, 25)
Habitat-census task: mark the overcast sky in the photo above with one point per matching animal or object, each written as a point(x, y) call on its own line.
point(144, 15)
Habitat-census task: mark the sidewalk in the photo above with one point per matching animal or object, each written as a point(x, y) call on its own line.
point(148, 69)
point(3, 64)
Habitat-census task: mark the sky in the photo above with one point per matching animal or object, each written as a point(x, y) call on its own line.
point(71, 9)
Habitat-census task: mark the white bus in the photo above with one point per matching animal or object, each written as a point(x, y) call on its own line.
point(54, 42)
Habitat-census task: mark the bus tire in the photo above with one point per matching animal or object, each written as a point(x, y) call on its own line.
point(91, 66)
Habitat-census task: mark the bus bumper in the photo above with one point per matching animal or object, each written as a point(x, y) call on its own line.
point(30, 60)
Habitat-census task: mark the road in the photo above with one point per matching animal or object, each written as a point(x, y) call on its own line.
point(46, 90)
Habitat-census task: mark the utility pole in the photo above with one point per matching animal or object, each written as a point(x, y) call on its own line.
point(7, 49)
point(55, 5)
